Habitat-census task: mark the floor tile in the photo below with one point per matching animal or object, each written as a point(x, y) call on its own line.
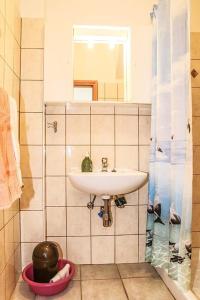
point(22, 292)
point(137, 270)
point(99, 272)
point(146, 289)
point(72, 292)
point(111, 289)
point(77, 275)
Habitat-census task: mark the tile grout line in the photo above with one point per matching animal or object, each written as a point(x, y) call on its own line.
point(122, 283)
point(66, 199)
point(81, 291)
point(20, 66)
point(138, 190)
point(115, 213)
point(90, 194)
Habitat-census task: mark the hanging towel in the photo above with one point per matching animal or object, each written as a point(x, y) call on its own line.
point(14, 133)
point(10, 186)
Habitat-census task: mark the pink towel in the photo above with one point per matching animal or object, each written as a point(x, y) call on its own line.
point(10, 188)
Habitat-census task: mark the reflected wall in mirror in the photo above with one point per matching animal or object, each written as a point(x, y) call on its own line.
point(101, 55)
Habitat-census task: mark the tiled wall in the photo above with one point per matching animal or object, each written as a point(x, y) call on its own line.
point(195, 65)
point(120, 132)
point(31, 135)
point(10, 27)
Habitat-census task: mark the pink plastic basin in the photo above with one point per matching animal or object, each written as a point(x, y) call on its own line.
point(48, 289)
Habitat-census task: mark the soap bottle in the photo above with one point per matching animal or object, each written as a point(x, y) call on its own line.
point(86, 165)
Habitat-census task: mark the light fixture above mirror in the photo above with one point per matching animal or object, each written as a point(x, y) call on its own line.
point(101, 56)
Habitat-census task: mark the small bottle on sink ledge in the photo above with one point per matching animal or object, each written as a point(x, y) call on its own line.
point(86, 165)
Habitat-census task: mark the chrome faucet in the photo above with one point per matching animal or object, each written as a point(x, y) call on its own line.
point(104, 161)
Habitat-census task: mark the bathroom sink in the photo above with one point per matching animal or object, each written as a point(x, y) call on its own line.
point(108, 183)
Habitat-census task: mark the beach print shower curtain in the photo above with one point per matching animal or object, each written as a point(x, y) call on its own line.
point(168, 243)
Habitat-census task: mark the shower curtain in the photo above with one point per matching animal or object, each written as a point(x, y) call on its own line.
point(169, 209)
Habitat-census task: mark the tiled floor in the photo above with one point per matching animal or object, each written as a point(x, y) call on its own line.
point(108, 282)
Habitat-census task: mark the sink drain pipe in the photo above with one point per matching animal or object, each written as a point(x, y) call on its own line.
point(107, 214)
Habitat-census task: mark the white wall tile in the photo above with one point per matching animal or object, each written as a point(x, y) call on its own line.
point(55, 160)
point(126, 130)
point(3, 284)
point(78, 250)
point(10, 277)
point(195, 64)
point(9, 47)
point(2, 249)
point(16, 58)
point(75, 156)
point(144, 153)
point(102, 109)
point(1, 219)
point(143, 194)
point(132, 198)
point(98, 152)
point(145, 109)
point(126, 109)
point(78, 221)
point(32, 64)
point(18, 263)
point(78, 129)
point(31, 198)
point(8, 79)
point(1, 71)
point(16, 90)
point(142, 248)
point(27, 251)
point(31, 128)
point(31, 161)
point(9, 213)
point(9, 240)
point(142, 219)
point(55, 138)
point(126, 249)
point(102, 130)
point(61, 241)
point(32, 226)
point(78, 108)
point(127, 157)
point(76, 197)
point(144, 130)
point(55, 191)
point(55, 109)
point(56, 221)
point(16, 231)
point(127, 220)
point(31, 96)
point(32, 33)
point(97, 223)
point(102, 249)
point(2, 36)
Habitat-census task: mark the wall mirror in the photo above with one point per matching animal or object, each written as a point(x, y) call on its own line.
point(101, 60)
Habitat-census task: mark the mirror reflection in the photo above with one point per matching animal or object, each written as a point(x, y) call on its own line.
point(100, 63)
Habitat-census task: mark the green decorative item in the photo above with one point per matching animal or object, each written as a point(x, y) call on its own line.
point(86, 165)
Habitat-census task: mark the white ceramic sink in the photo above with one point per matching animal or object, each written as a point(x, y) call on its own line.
point(108, 183)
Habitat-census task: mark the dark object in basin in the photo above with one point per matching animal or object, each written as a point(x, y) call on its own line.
point(45, 261)
point(48, 289)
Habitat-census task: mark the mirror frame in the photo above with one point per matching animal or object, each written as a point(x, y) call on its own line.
point(88, 83)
